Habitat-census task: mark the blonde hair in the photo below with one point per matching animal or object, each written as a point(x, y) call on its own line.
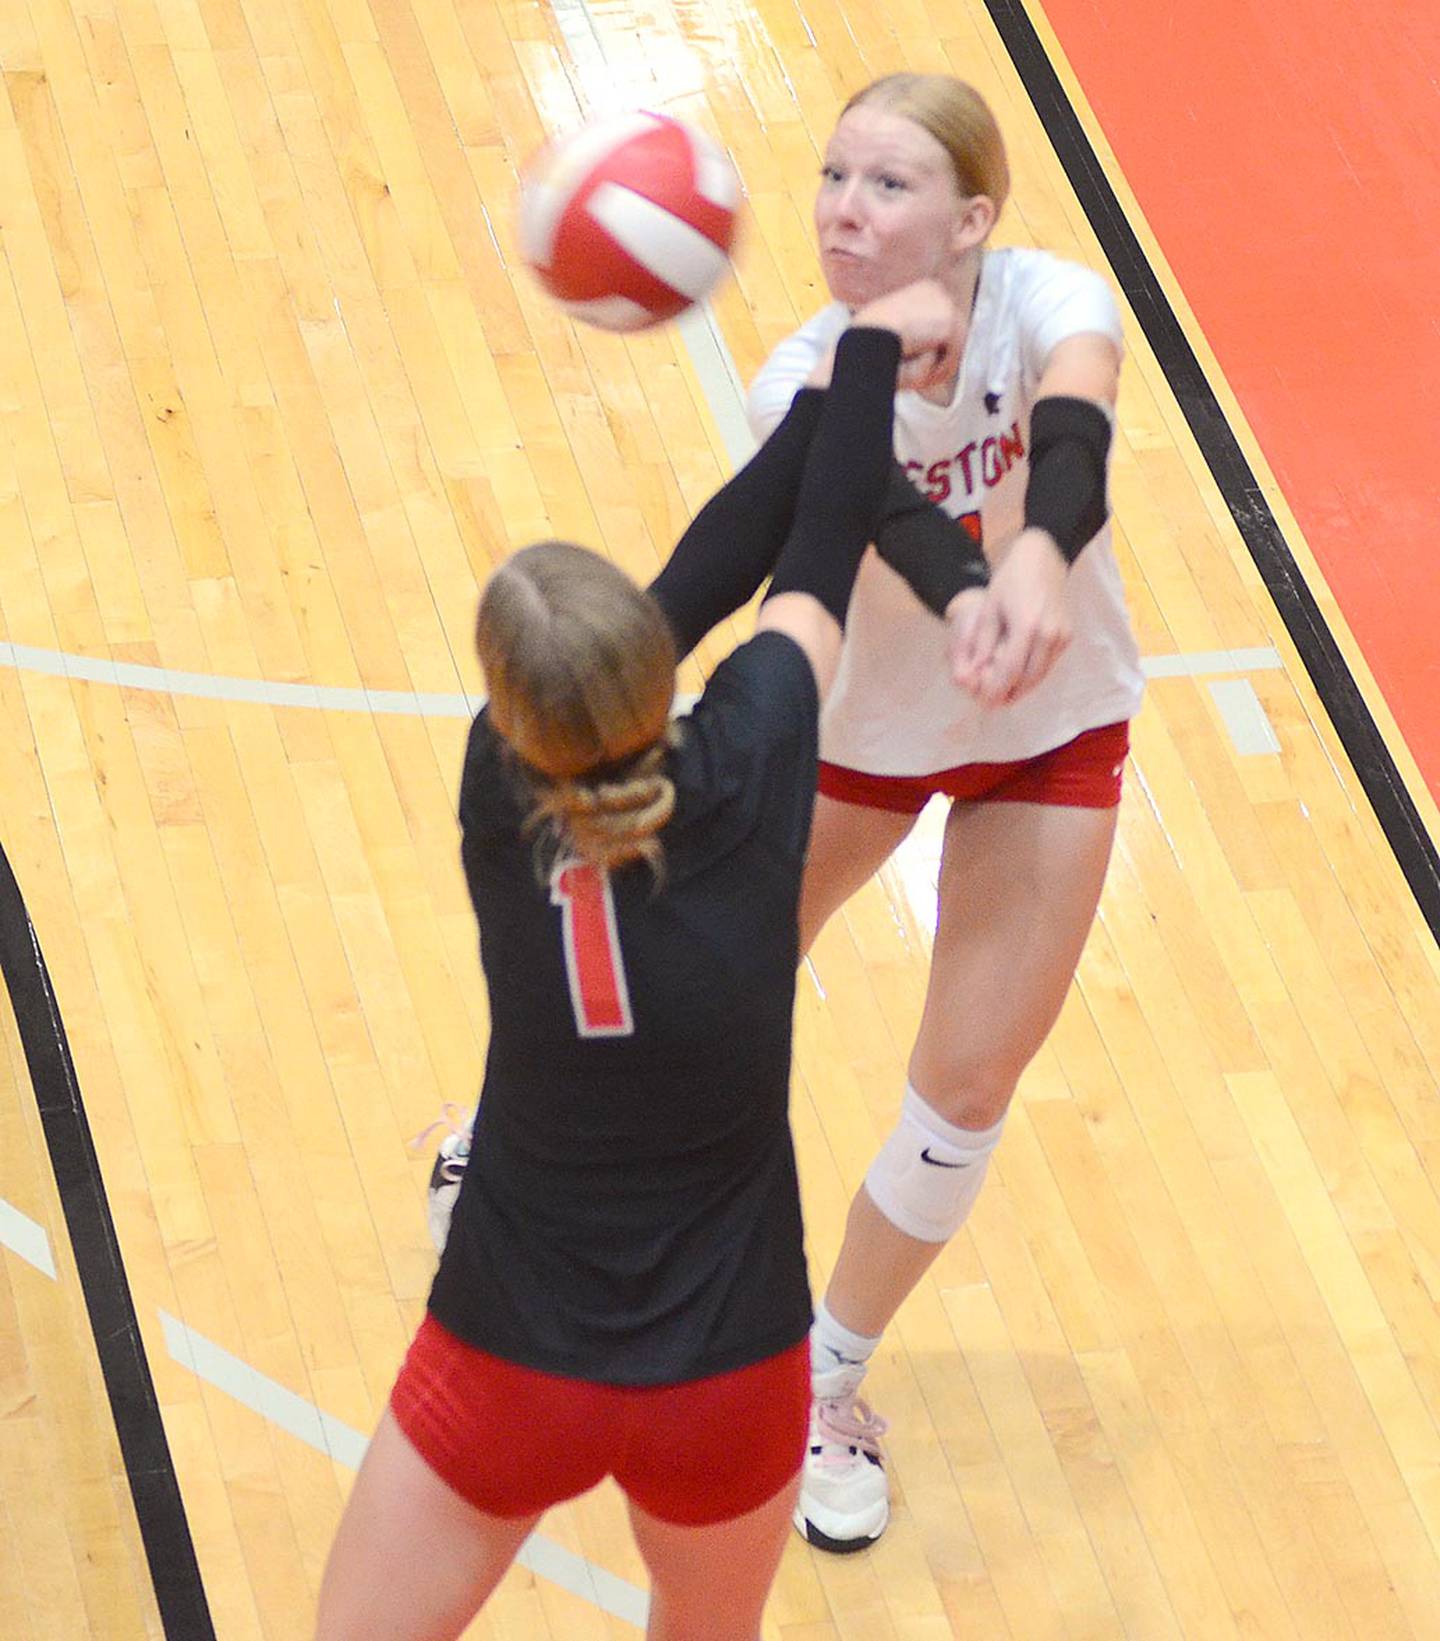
point(958, 118)
point(580, 668)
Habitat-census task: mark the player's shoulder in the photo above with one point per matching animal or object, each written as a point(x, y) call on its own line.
point(744, 771)
point(762, 682)
point(761, 696)
point(1025, 274)
point(1040, 299)
point(790, 362)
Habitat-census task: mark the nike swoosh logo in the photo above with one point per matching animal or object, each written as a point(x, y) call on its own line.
point(935, 1161)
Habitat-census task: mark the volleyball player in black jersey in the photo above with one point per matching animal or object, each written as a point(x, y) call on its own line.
point(623, 1291)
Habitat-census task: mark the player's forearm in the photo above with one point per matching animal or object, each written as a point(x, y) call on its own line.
point(933, 552)
point(846, 473)
point(733, 541)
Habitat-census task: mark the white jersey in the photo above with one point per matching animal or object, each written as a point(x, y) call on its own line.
point(893, 709)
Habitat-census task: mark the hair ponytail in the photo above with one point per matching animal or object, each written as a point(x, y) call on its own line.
point(606, 820)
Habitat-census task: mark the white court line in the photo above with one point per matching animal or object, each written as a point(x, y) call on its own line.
point(1244, 717)
point(1199, 663)
point(262, 1395)
point(218, 687)
point(719, 381)
point(303, 1420)
point(21, 1235)
point(577, 28)
point(327, 698)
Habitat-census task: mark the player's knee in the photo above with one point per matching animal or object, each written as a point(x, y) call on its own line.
point(970, 1065)
point(929, 1171)
point(967, 1090)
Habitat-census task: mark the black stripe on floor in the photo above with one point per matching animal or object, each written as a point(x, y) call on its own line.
point(1334, 683)
point(159, 1509)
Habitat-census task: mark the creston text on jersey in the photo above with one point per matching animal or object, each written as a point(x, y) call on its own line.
point(997, 455)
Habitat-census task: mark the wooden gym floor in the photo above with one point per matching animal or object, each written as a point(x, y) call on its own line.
point(274, 398)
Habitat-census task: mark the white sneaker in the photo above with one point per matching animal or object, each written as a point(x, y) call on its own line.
point(448, 1174)
point(844, 1501)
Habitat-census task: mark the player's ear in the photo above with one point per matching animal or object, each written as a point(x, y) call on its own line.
point(973, 224)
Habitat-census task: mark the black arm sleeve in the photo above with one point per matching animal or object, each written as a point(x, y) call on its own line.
point(846, 473)
point(1069, 456)
point(733, 541)
point(936, 554)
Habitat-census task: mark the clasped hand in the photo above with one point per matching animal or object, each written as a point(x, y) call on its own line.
point(930, 327)
point(1005, 638)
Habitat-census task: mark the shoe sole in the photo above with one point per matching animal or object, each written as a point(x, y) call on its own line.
point(836, 1546)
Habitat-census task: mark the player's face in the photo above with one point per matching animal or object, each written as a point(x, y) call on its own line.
point(889, 210)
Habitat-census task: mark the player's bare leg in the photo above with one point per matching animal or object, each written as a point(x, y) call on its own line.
point(711, 1583)
point(1019, 885)
point(412, 1561)
point(848, 845)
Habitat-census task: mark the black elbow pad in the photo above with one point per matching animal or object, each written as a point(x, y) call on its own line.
point(1069, 451)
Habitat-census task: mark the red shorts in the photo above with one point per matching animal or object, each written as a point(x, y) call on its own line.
point(1083, 774)
point(513, 1441)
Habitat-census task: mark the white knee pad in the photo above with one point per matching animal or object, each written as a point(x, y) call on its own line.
point(929, 1172)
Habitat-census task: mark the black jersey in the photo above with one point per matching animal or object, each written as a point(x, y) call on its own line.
point(630, 1214)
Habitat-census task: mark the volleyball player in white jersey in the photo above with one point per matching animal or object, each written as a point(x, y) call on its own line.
point(1030, 750)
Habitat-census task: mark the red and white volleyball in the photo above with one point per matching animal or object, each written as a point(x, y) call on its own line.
point(629, 221)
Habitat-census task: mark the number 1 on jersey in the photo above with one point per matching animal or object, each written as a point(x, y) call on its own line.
point(598, 992)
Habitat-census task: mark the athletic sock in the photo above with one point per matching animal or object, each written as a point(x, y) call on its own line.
point(833, 1345)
